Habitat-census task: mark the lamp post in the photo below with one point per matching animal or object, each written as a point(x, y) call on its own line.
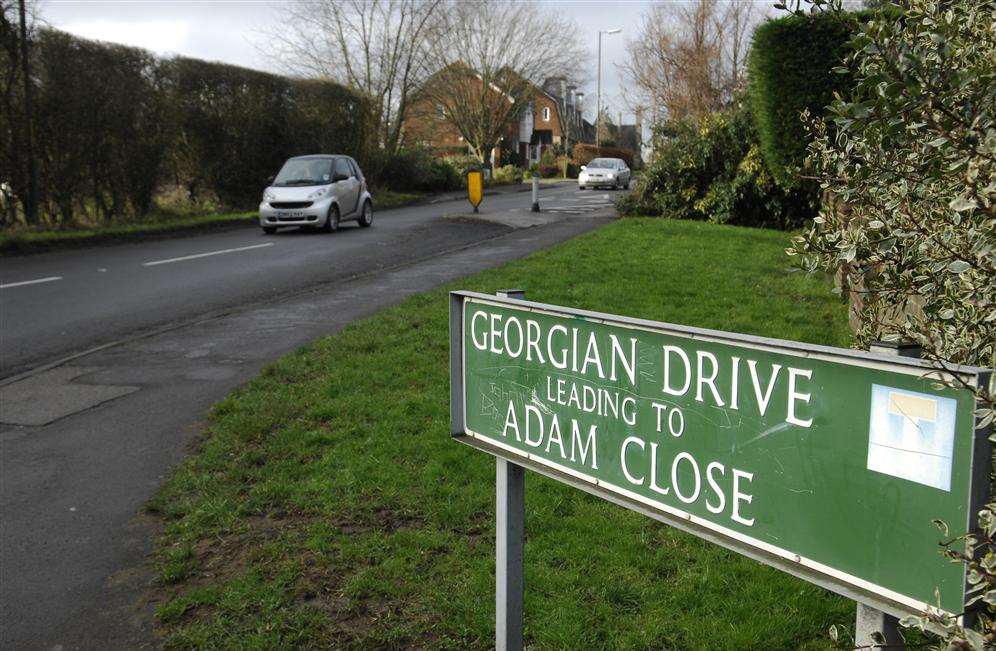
point(598, 109)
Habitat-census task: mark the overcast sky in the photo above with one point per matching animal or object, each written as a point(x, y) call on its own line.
point(232, 31)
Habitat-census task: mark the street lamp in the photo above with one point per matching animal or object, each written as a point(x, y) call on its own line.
point(598, 109)
point(578, 98)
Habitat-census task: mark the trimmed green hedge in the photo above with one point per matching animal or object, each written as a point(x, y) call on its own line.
point(115, 123)
point(791, 69)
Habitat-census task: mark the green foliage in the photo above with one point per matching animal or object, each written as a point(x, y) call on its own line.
point(911, 166)
point(418, 170)
point(463, 163)
point(508, 174)
point(711, 169)
point(790, 66)
point(235, 127)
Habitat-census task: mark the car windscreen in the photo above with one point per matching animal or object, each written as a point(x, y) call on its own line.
point(305, 171)
point(603, 163)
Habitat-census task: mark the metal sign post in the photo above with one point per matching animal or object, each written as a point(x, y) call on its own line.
point(827, 463)
point(536, 207)
point(510, 537)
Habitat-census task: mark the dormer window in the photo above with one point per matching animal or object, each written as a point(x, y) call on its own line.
point(546, 113)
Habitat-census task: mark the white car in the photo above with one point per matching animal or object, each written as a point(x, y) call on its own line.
point(608, 172)
point(321, 190)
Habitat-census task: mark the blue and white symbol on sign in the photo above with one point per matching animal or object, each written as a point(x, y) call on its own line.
point(911, 436)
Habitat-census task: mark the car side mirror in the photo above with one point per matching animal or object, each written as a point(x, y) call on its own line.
point(339, 176)
point(584, 167)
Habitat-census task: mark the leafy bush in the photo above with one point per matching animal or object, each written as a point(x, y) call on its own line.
point(712, 170)
point(549, 171)
point(462, 163)
point(790, 67)
point(912, 159)
point(508, 174)
point(584, 154)
point(417, 170)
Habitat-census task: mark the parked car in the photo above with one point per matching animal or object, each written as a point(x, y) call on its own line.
point(609, 172)
point(320, 190)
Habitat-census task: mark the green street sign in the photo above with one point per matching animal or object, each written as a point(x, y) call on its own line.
point(828, 463)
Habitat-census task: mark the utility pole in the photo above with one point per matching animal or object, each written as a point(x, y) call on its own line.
point(31, 203)
point(598, 110)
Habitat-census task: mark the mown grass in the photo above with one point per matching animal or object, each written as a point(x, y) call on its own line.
point(28, 240)
point(328, 505)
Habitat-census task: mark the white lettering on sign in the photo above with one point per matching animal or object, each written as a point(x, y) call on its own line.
point(610, 359)
point(690, 379)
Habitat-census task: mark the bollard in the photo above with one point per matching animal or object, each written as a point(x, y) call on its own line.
point(536, 193)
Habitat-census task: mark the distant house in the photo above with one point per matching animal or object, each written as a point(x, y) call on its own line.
point(552, 119)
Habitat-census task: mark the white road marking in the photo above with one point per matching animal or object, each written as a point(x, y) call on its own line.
point(204, 255)
point(31, 282)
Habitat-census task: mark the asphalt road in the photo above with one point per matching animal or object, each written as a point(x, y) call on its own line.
point(193, 318)
point(59, 303)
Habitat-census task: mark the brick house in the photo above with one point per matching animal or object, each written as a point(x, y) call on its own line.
point(552, 119)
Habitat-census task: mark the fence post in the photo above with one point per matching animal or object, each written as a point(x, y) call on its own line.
point(870, 623)
point(510, 537)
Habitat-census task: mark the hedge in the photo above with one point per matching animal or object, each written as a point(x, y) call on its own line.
point(114, 123)
point(234, 127)
point(585, 153)
point(791, 69)
point(711, 169)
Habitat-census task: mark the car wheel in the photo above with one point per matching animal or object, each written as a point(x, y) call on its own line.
point(367, 218)
point(269, 230)
point(580, 187)
point(332, 220)
point(626, 187)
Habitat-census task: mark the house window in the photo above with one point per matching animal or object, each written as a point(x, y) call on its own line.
point(546, 113)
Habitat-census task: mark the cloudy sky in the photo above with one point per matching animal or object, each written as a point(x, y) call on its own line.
point(233, 31)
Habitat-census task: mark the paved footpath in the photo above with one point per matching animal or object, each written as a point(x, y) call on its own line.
point(94, 436)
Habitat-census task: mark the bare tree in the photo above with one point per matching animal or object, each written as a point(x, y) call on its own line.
point(688, 57)
point(368, 45)
point(486, 60)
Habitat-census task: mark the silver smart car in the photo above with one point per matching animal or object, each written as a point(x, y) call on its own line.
point(320, 190)
point(611, 172)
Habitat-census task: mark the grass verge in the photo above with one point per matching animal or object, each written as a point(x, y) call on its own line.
point(34, 241)
point(328, 507)
point(31, 241)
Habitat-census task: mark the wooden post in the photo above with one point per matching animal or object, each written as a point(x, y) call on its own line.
point(510, 538)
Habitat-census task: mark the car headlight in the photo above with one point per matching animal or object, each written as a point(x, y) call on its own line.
point(318, 194)
point(611, 175)
point(269, 196)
